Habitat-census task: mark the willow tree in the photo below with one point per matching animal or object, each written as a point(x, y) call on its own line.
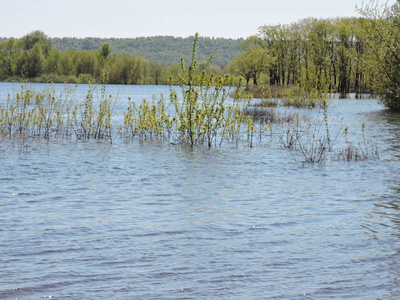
point(252, 61)
point(10, 50)
point(383, 28)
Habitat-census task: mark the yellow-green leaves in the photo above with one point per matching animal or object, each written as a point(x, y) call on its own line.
point(200, 116)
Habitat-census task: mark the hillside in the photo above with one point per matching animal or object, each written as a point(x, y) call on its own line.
point(162, 49)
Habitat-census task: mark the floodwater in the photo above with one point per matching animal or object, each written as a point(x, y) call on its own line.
point(146, 220)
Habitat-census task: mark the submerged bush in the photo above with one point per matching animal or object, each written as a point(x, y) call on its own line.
point(364, 150)
point(45, 115)
point(200, 114)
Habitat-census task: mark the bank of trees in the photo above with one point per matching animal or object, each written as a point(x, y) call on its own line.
point(323, 53)
point(383, 27)
point(32, 58)
point(342, 55)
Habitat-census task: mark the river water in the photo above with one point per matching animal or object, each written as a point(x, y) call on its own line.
point(145, 220)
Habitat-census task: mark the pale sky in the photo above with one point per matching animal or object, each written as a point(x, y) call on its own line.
point(131, 18)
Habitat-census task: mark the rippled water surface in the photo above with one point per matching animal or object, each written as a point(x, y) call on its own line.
point(144, 220)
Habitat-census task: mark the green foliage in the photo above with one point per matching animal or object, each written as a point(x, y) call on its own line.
point(86, 62)
point(311, 53)
point(383, 29)
point(252, 61)
point(105, 50)
point(127, 69)
point(90, 122)
point(34, 61)
point(32, 114)
point(200, 116)
point(34, 37)
point(45, 115)
point(10, 51)
point(159, 49)
point(21, 60)
point(53, 62)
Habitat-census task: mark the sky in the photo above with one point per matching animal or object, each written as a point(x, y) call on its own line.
point(179, 18)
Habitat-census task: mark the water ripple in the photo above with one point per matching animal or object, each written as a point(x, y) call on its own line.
point(151, 221)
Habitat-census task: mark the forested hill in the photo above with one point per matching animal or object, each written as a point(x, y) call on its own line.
point(162, 49)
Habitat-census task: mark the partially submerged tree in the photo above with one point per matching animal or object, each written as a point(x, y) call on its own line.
point(383, 28)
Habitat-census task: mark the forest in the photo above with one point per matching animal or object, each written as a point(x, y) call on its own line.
point(39, 58)
point(166, 50)
point(341, 55)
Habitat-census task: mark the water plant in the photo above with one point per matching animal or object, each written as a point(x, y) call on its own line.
point(199, 114)
point(361, 151)
point(309, 138)
point(35, 114)
point(45, 114)
point(91, 122)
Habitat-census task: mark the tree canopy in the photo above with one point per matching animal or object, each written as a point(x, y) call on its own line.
point(165, 50)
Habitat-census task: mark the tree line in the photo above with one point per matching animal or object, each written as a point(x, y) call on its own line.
point(320, 51)
point(34, 58)
point(341, 55)
point(165, 50)
point(327, 53)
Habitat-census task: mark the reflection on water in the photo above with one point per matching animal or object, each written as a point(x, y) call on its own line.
point(147, 220)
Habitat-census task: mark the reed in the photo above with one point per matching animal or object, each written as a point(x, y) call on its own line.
point(91, 120)
point(46, 115)
point(361, 151)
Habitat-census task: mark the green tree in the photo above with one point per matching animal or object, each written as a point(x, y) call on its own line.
point(383, 29)
point(34, 61)
point(156, 71)
point(86, 63)
point(252, 61)
point(105, 50)
point(128, 69)
point(37, 36)
point(53, 62)
point(67, 66)
point(275, 39)
point(9, 53)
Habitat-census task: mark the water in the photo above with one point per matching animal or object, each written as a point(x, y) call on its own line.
point(145, 220)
